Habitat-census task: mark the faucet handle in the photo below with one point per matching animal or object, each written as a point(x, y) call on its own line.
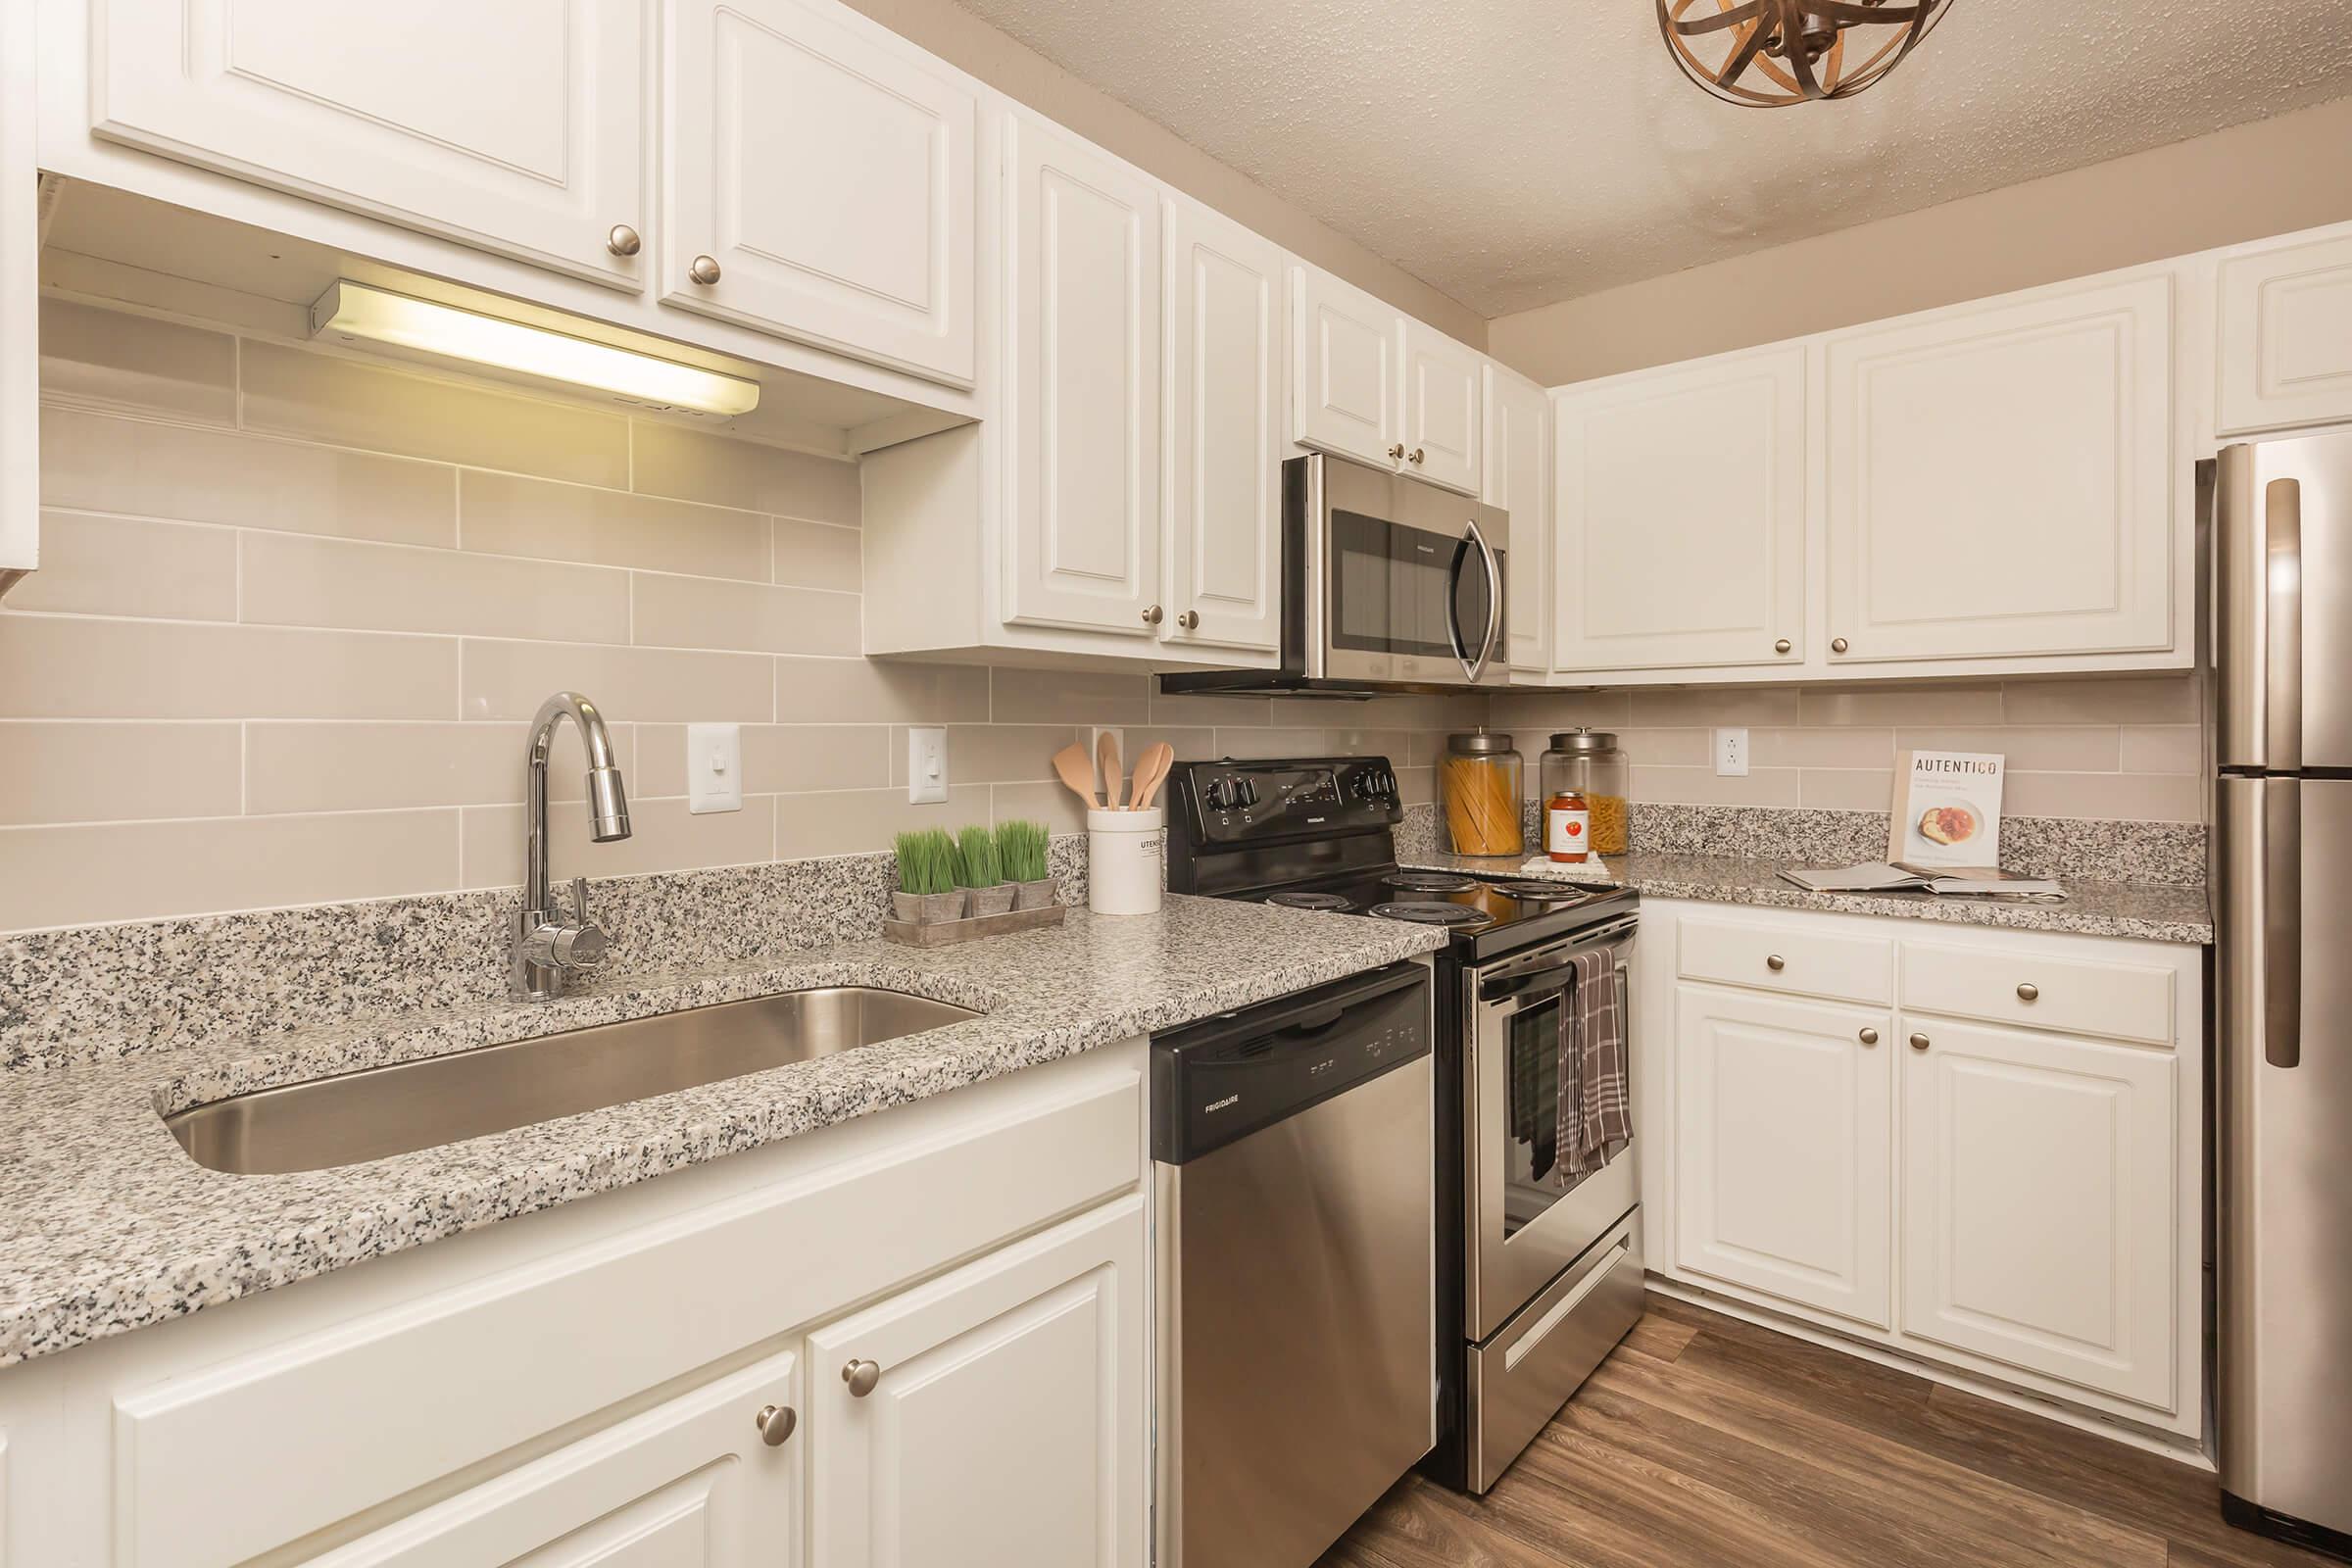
point(580, 943)
point(579, 901)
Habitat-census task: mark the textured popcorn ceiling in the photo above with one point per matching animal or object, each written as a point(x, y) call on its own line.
point(1515, 151)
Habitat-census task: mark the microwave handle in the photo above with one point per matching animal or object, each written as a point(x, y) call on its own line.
point(1475, 668)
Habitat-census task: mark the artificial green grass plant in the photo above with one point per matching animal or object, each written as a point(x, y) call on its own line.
point(1021, 850)
point(977, 864)
point(927, 862)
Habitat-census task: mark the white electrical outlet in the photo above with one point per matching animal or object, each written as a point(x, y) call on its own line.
point(713, 768)
point(1731, 754)
point(926, 764)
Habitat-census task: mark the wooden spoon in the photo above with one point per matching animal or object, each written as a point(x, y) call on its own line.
point(1114, 777)
point(1151, 772)
point(1070, 762)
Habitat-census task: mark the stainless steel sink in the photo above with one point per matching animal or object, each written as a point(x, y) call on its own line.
point(419, 1105)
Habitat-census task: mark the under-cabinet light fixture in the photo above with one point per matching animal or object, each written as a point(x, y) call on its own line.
point(352, 313)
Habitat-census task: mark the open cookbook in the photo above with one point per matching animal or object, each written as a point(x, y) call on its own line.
point(1905, 876)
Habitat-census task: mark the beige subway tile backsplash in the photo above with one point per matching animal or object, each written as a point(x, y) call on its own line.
point(691, 465)
point(97, 463)
point(103, 565)
point(663, 836)
point(133, 361)
point(97, 772)
point(511, 679)
point(60, 666)
point(851, 821)
point(345, 402)
point(510, 514)
point(872, 691)
point(756, 618)
point(1082, 697)
point(358, 767)
point(289, 580)
point(777, 759)
point(819, 555)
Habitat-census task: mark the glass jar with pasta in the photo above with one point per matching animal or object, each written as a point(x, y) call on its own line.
point(1587, 762)
point(1479, 784)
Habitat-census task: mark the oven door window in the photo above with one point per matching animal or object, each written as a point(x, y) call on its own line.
point(1393, 588)
point(1536, 1172)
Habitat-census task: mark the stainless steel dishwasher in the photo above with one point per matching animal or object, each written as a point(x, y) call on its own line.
point(1296, 1231)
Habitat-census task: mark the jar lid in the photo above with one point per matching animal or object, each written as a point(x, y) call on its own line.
point(1584, 740)
point(1481, 743)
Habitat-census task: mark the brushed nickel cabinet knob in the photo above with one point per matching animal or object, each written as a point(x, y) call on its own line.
point(1190, 620)
point(1417, 455)
point(623, 240)
point(1869, 1037)
point(1396, 453)
point(705, 270)
point(1152, 616)
point(2027, 991)
point(775, 1423)
point(1782, 646)
point(1775, 962)
point(1837, 645)
point(861, 1376)
point(1919, 1041)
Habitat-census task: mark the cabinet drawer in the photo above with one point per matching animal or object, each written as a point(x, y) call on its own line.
point(2080, 996)
point(246, 1455)
point(1786, 959)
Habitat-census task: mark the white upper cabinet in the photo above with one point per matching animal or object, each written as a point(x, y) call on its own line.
point(1515, 475)
point(2040, 1203)
point(2286, 334)
point(517, 126)
point(1345, 377)
point(1083, 347)
point(1782, 1148)
point(1441, 433)
point(1681, 536)
point(819, 172)
point(994, 1418)
point(1225, 377)
point(2000, 479)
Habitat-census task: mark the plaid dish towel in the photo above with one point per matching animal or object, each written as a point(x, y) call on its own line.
point(1605, 1119)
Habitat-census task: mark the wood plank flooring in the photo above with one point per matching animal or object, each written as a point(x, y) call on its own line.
point(1707, 1441)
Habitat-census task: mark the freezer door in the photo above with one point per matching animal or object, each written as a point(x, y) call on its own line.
point(2283, 1118)
point(2283, 535)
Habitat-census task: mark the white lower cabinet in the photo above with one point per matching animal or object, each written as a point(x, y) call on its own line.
point(994, 1418)
point(652, 1378)
point(2040, 1216)
point(1957, 1172)
point(1783, 1148)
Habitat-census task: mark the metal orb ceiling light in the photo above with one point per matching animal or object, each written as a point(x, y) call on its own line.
point(1781, 51)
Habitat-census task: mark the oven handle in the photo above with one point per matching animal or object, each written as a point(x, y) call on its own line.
point(1532, 968)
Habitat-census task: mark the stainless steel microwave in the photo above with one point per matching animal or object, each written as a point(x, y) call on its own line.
point(1389, 583)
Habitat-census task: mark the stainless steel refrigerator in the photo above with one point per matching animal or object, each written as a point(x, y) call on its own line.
point(2283, 529)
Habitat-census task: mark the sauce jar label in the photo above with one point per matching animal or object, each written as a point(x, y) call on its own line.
point(1568, 832)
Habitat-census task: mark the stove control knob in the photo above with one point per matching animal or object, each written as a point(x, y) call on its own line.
point(1223, 794)
point(1245, 793)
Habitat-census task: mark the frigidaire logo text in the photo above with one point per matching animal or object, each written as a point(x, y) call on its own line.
point(1220, 1104)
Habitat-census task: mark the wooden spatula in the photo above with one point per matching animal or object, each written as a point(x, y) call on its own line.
point(1151, 771)
point(1114, 778)
point(1071, 763)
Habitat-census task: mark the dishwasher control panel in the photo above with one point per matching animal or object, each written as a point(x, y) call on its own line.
point(1226, 1077)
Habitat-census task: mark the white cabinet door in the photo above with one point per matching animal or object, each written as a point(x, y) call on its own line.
point(1082, 328)
point(2038, 1203)
point(689, 1483)
point(517, 126)
point(2286, 336)
point(1225, 360)
point(1681, 536)
point(2000, 479)
point(1345, 379)
point(1443, 433)
point(1783, 1132)
point(1515, 475)
point(1004, 1424)
point(828, 169)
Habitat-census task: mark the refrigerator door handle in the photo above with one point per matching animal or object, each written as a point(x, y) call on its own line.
point(2282, 579)
point(2282, 922)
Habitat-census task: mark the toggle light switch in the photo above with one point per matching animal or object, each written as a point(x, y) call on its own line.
point(713, 768)
point(926, 764)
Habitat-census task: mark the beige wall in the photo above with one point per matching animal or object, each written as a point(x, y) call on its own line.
point(2123, 748)
point(295, 609)
point(1020, 72)
point(2268, 177)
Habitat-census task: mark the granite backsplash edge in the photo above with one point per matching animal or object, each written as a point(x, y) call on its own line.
point(87, 991)
point(2153, 853)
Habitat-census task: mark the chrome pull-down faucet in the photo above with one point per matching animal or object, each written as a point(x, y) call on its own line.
point(550, 944)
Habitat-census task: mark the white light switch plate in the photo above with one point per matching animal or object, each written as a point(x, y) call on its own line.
point(713, 768)
point(926, 764)
point(1731, 754)
point(1107, 788)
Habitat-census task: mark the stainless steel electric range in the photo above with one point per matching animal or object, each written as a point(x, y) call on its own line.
point(1539, 1275)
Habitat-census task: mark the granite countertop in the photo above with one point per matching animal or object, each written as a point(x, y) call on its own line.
point(2145, 911)
point(106, 1225)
